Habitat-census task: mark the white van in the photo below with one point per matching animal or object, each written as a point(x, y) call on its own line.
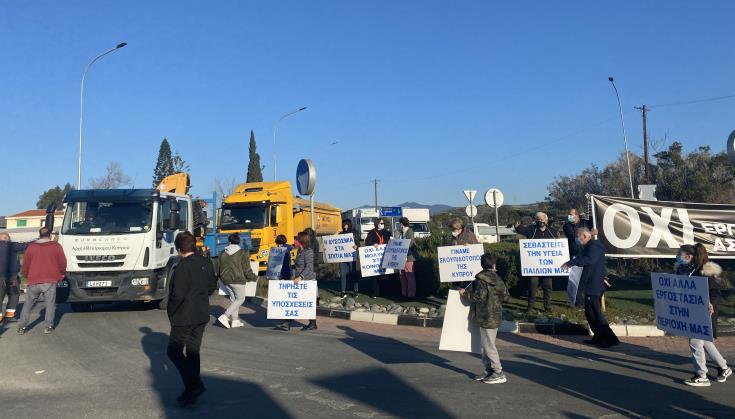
point(483, 232)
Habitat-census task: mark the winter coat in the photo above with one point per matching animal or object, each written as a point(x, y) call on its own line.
point(44, 262)
point(192, 283)
point(594, 270)
point(377, 237)
point(713, 273)
point(570, 231)
point(487, 294)
point(464, 238)
point(304, 267)
point(9, 264)
point(413, 254)
point(234, 266)
point(533, 232)
point(286, 268)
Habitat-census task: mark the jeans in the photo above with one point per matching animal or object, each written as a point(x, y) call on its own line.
point(490, 357)
point(348, 270)
point(546, 283)
point(408, 280)
point(9, 287)
point(700, 349)
point(33, 293)
point(237, 297)
point(184, 343)
point(600, 328)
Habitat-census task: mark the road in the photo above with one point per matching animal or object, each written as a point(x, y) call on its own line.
point(112, 364)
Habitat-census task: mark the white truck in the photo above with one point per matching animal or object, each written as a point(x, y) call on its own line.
point(119, 243)
point(418, 220)
point(363, 219)
point(483, 232)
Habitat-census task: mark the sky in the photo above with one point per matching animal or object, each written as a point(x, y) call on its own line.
point(429, 97)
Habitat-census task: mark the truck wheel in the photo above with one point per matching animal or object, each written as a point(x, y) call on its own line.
point(81, 307)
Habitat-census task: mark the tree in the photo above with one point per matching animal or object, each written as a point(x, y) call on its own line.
point(165, 163)
point(114, 178)
point(179, 164)
point(225, 187)
point(255, 172)
point(53, 195)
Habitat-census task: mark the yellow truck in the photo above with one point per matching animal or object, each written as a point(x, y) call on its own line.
point(268, 209)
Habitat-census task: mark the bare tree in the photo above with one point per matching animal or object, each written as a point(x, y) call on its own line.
point(179, 164)
point(114, 178)
point(225, 187)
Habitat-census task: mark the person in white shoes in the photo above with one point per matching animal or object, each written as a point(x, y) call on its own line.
point(694, 261)
point(234, 270)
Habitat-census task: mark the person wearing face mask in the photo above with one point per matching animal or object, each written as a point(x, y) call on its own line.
point(348, 270)
point(408, 279)
point(460, 235)
point(377, 236)
point(569, 228)
point(592, 261)
point(694, 261)
point(539, 230)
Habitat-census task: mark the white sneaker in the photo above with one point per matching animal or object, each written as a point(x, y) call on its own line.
point(495, 378)
point(224, 321)
point(697, 381)
point(237, 323)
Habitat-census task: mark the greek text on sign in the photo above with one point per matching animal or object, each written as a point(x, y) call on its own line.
point(371, 260)
point(396, 253)
point(682, 305)
point(287, 300)
point(459, 263)
point(339, 248)
point(275, 262)
point(543, 257)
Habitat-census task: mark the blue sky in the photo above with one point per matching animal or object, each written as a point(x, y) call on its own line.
point(431, 97)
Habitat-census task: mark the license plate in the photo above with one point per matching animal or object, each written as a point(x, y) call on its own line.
point(98, 284)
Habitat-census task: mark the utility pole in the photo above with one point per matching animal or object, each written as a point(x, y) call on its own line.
point(644, 111)
point(375, 182)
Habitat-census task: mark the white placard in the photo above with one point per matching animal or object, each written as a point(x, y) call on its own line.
point(575, 274)
point(396, 254)
point(276, 255)
point(459, 331)
point(287, 300)
point(339, 248)
point(682, 305)
point(459, 263)
point(371, 260)
point(544, 257)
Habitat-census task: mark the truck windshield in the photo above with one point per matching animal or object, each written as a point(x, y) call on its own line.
point(96, 217)
point(240, 217)
point(419, 227)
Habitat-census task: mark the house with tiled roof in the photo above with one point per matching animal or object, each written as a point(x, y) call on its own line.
point(32, 218)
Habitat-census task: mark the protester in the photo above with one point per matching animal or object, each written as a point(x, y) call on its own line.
point(570, 227)
point(377, 236)
point(235, 271)
point(9, 268)
point(539, 230)
point(694, 261)
point(286, 268)
point(592, 261)
point(303, 271)
point(314, 245)
point(407, 277)
point(192, 283)
point(44, 264)
point(348, 270)
point(486, 294)
point(460, 235)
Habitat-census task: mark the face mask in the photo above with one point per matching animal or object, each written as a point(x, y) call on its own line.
point(680, 260)
point(455, 233)
point(345, 228)
point(381, 226)
point(570, 218)
point(404, 229)
point(579, 242)
point(540, 224)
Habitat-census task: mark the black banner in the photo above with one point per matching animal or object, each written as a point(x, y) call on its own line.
point(632, 228)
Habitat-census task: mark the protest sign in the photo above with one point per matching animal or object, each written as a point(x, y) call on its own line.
point(459, 263)
point(544, 257)
point(250, 287)
point(339, 248)
point(396, 253)
point(371, 260)
point(682, 305)
point(287, 300)
point(575, 274)
point(275, 262)
point(459, 331)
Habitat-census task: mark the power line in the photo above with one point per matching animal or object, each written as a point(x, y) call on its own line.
point(690, 102)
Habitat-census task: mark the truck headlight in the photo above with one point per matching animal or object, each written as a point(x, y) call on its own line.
point(139, 282)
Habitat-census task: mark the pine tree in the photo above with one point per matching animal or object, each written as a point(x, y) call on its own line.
point(255, 173)
point(164, 165)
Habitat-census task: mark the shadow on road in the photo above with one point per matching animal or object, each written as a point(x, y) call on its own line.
point(225, 398)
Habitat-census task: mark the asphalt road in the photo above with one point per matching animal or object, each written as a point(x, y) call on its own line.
point(112, 364)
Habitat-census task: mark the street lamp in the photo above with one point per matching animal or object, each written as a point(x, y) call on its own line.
point(81, 109)
point(625, 137)
point(275, 128)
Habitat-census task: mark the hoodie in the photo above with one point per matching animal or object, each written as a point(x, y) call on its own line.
point(44, 262)
point(234, 266)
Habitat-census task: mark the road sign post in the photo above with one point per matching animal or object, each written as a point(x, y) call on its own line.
point(471, 210)
point(494, 199)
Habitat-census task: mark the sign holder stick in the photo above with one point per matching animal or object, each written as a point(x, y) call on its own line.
point(495, 204)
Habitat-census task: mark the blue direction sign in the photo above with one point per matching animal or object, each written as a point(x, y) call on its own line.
point(391, 212)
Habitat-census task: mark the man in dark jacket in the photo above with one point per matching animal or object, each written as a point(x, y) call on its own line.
point(192, 283)
point(570, 232)
point(539, 230)
point(592, 261)
point(9, 268)
point(376, 237)
point(348, 270)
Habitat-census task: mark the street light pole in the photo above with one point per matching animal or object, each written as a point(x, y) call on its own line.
point(275, 128)
point(625, 137)
point(81, 109)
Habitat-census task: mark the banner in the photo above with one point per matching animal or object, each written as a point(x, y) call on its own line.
point(633, 228)
point(339, 248)
point(396, 253)
point(682, 305)
point(459, 263)
point(287, 300)
point(459, 331)
point(276, 257)
point(371, 260)
point(544, 257)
